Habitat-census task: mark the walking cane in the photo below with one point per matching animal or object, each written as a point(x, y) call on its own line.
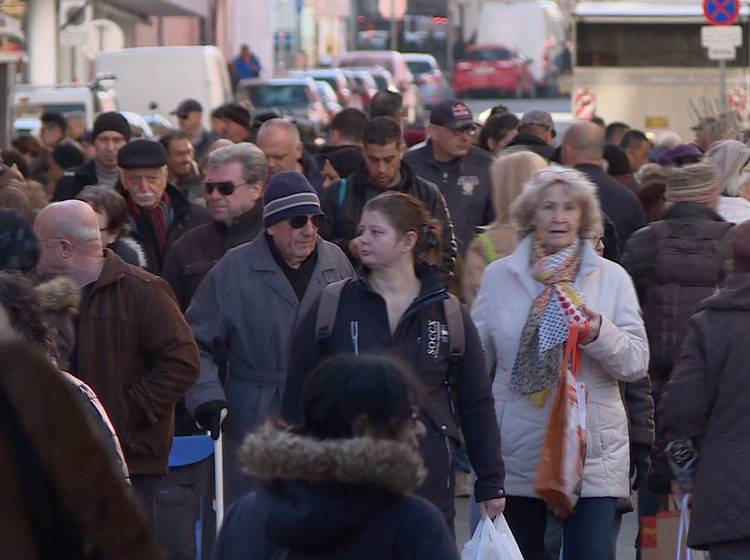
point(219, 474)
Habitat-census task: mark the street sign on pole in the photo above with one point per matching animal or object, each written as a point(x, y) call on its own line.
point(721, 12)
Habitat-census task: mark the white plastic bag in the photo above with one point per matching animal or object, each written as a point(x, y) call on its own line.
point(492, 541)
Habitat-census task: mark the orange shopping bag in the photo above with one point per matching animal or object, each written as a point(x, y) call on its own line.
point(560, 475)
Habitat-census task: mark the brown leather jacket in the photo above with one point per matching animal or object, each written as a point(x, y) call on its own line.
point(137, 352)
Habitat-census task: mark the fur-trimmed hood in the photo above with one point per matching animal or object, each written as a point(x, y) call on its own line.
point(273, 453)
point(58, 293)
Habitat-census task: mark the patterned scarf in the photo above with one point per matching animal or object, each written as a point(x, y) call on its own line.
point(161, 218)
point(540, 353)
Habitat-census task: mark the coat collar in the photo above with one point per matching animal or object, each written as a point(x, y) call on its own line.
point(113, 270)
point(520, 264)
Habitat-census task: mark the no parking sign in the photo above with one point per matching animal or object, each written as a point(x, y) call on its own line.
point(721, 12)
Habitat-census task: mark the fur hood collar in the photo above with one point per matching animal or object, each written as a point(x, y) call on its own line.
point(274, 453)
point(58, 293)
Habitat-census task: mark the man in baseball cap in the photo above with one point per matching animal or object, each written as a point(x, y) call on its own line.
point(189, 115)
point(459, 169)
point(536, 133)
point(111, 132)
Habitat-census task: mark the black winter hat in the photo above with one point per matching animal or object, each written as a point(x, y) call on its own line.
point(53, 117)
point(140, 154)
point(19, 246)
point(112, 121)
point(288, 194)
point(66, 155)
point(239, 114)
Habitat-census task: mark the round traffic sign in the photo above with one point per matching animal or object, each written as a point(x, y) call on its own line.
point(721, 12)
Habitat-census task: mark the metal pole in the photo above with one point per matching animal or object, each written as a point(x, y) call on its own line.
point(394, 42)
point(723, 85)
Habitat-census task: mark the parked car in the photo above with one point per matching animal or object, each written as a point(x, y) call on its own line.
point(383, 79)
point(333, 76)
point(433, 87)
point(289, 97)
point(328, 97)
point(364, 85)
point(494, 70)
point(394, 62)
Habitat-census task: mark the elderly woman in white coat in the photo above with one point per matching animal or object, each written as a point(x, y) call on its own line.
point(524, 331)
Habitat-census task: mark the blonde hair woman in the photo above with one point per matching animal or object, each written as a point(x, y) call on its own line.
point(509, 172)
point(524, 328)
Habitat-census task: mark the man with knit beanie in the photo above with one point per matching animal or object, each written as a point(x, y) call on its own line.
point(111, 132)
point(676, 263)
point(158, 212)
point(238, 123)
point(247, 307)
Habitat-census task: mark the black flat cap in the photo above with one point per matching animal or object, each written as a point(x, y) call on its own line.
point(142, 154)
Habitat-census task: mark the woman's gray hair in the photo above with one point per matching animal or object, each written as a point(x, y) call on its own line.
point(254, 165)
point(730, 158)
point(576, 183)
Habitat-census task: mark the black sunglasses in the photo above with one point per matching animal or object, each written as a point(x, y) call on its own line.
point(300, 221)
point(224, 187)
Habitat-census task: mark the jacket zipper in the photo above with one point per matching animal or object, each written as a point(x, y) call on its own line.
point(354, 333)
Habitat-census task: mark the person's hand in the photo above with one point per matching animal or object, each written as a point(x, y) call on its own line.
point(595, 323)
point(492, 508)
point(640, 463)
point(209, 416)
point(354, 247)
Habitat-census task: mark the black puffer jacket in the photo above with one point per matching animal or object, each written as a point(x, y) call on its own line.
point(707, 400)
point(335, 499)
point(422, 340)
point(343, 216)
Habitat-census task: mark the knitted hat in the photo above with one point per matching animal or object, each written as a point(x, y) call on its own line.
point(112, 121)
point(288, 194)
point(239, 114)
point(19, 247)
point(142, 154)
point(697, 182)
point(740, 240)
point(67, 155)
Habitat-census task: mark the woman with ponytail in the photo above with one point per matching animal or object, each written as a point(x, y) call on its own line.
point(398, 307)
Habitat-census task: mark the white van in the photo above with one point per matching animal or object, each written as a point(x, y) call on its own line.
point(535, 27)
point(167, 75)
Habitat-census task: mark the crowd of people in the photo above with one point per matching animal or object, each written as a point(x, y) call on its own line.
point(369, 322)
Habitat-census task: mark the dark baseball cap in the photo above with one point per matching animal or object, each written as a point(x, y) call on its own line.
point(451, 113)
point(187, 106)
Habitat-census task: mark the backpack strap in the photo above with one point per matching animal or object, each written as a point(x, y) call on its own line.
point(328, 308)
point(455, 321)
point(490, 254)
point(342, 192)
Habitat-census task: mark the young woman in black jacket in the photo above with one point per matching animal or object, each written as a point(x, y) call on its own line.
point(396, 307)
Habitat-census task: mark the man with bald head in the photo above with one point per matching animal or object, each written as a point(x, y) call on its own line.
point(583, 149)
point(281, 143)
point(133, 348)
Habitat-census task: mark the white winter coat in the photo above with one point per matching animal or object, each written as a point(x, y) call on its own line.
point(620, 353)
point(734, 209)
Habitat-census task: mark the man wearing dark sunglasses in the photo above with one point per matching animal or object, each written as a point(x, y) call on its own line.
point(246, 308)
point(232, 189)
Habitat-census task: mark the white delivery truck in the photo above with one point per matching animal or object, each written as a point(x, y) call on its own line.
point(536, 28)
point(642, 62)
point(164, 76)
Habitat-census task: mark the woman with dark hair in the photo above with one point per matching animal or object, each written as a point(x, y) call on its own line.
point(398, 307)
point(340, 484)
point(112, 214)
point(497, 132)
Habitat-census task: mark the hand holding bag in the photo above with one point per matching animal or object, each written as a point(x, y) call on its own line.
point(492, 541)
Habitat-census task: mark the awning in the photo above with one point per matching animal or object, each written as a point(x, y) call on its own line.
point(199, 8)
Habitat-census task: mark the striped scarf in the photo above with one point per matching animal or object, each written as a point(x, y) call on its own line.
point(161, 218)
point(540, 352)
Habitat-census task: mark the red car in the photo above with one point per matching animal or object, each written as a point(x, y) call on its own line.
point(493, 69)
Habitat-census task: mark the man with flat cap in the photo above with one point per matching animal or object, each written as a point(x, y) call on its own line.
point(158, 213)
point(536, 133)
point(111, 132)
point(190, 119)
point(247, 307)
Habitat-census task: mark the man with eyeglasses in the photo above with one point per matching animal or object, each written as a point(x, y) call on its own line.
point(460, 170)
point(158, 212)
point(247, 307)
point(232, 189)
point(133, 346)
point(190, 120)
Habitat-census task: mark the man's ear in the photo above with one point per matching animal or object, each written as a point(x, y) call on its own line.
point(403, 148)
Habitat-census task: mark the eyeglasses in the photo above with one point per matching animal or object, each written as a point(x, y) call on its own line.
point(224, 187)
point(300, 221)
point(471, 130)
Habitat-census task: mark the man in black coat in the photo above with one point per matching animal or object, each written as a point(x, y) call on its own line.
point(583, 148)
point(536, 133)
point(383, 170)
point(111, 132)
point(461, 171)
point(234, 184)
point(158, 213)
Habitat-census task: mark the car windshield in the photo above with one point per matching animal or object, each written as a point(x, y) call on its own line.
point(272, 95)
point(488, 54)
point(418, 67)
